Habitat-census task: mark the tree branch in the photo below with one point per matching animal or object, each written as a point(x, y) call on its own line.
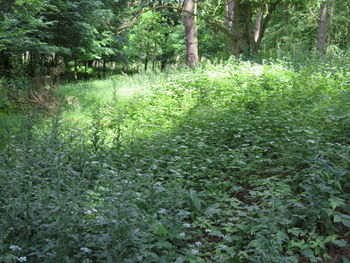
point(209, 20)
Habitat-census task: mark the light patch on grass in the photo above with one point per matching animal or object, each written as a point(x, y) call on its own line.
point(91, 95)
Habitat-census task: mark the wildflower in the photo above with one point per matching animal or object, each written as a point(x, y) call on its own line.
point(222, 246)
point(187, 225)
point(208, 230)
point(91, 211)
point(100, 219)
point(15, 248)
point(182, 234)
point(198, 243)
point(85, 250)
point(227, 238)
point(22, 259)
point(162, 211)
point(194, 251)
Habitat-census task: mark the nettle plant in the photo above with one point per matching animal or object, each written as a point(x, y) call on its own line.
point(239, 162)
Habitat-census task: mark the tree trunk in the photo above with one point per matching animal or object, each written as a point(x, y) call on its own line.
point(257, 30)
point(238, 15)
point(331, 20)
point(154, 65)
point(104, 68)
point(5, 63)
point(190, 9)
point(261, 25)
point(146, 63)
point(229, 8)
point(75, 69)
point(322, 30)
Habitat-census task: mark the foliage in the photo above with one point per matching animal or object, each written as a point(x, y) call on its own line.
point(235, 162)
point(154, 39)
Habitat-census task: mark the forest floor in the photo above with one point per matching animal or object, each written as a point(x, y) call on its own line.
point(241, 162)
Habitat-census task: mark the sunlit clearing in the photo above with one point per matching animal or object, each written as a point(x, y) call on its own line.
point(128, 92)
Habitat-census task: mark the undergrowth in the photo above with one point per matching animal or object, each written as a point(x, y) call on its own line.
point(239, 162)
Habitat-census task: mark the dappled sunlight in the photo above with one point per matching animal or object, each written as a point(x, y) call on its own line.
point(174, 131)
point(214, 74)
point(201, 159)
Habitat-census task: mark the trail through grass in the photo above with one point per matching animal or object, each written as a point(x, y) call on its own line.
point(239, 162)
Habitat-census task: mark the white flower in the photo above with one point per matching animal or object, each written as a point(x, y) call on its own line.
point(91, 211)
point(100, 219)
point(186, 225)
point(208, 230)
point(182, 234)
point(85, 249)
point(162, 211)
point(198, 243)
point(15, 248)
point(22, 259)
point(227, 238)
point(222, 246)
point(194, 251)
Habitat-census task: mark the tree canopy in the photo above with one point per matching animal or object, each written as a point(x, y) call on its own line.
point(86, 35)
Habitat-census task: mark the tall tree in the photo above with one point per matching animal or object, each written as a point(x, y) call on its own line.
point(190, 11)
point(244, 36)
point(263, 17)
point(322, 30)
point(239, 24)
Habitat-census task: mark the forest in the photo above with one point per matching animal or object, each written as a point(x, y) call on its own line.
point(175, 131)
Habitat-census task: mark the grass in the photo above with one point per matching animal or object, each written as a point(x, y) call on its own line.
point(235, 162)
point(87, 97)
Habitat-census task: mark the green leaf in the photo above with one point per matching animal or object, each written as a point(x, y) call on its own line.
point(182, 260)
point(295, 231)
point(336, 202)
point(309, 254)
point(340, 243)
point(161, 230)
point(344, 219)
point(195, 201)
point(337, 219)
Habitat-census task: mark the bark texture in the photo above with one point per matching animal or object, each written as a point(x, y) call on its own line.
point(238, 15)
point(244, 35)
point(263, 17)
point(190, 9)
point(322, 30)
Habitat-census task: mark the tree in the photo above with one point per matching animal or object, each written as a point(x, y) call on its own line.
point(20, 27)
point(190, 11)
point(244, 38)
point(322, 30)
point(239, 25)
point(263, 17)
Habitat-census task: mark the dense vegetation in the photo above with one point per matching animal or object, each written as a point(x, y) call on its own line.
point(91, 38)
point(174, 131)
point(241, 162)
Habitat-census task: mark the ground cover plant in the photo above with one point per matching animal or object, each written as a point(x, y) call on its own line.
point(234, 162)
